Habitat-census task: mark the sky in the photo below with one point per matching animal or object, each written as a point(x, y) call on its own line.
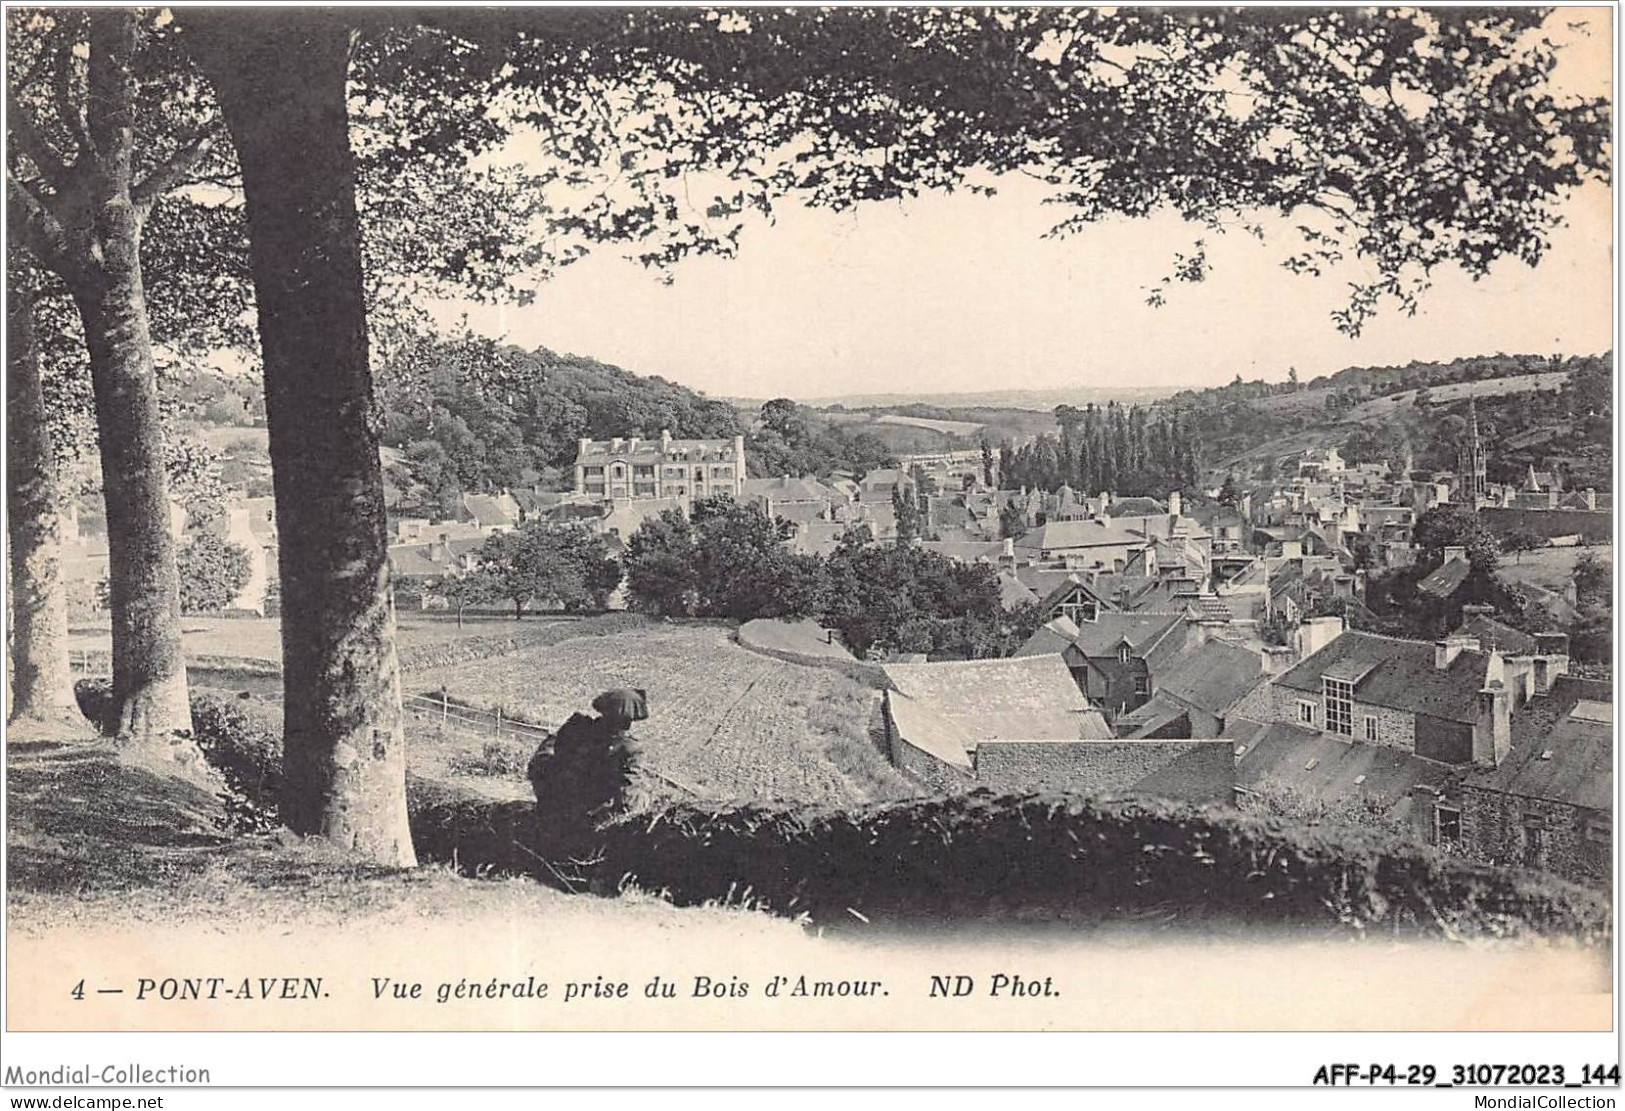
point(960, 293)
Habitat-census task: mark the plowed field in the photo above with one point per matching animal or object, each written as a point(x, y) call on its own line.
point(724, 722)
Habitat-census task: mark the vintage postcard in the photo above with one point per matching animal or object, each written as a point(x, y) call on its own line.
point(854, 518)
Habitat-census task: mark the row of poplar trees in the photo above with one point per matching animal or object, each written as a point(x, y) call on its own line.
point(1126, 450)
point(314, 164)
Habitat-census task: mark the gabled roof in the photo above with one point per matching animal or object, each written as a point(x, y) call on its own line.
point(787, 489)
point(1070, 586)
point(1488, 631)
point(1013, 592)
point(1579, 770)
point(1446, 579)
point(1214, 677)
point(1058, 535)
point(1049, 639)
point(1135, 507)
point(1143, 632)
point(1031, 698)
point(1398, 674)
point(491, 510)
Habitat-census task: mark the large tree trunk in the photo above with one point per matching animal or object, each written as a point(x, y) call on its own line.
point(149, 672)
point(41, 684)
point(280, 76)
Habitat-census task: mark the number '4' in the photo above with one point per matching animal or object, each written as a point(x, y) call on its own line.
point(79, 990)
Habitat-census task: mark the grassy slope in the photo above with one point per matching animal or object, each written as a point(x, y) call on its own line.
point(724, 722)
point(95, 839)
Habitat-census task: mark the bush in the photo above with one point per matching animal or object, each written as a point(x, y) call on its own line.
point(499, 759)
point(243, 748)
point(246, 751)
point(212, 573)
point(981, 856)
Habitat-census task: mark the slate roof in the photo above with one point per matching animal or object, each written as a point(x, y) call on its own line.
point(1049, 639)
point(491, 510)
point(788, 489)
point(1013, 592)
point(1143, 632)
point(1135, 507)
point(1579, 771)
point(1213, 677)
point(1015, 699)
point(596, 452)
point(965, 551)
point(1321, 766)
point(1446, 579)
point(1058, 535)
point(1398, 674)
point(1507, 640)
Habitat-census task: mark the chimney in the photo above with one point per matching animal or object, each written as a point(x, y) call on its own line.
point(1492, 733)
point(1105, 500)
point(665, 440)
point(1009, 548)
point(1315, 633)
point(1591, 497)
point(632, 445)
point(1445, 651)
point(739, 448)
point(1174, 505)
point(1278, 659)
point(582, 445)
point(615, 445)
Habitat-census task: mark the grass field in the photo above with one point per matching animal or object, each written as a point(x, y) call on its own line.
point(723, 721)
point(260, 638)
point(1551, 568)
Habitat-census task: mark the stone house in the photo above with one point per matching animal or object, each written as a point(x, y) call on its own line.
point(1114, 659)
point(1448, 701)
point(1023, 725)
point(1549, 804)
point(619, 468)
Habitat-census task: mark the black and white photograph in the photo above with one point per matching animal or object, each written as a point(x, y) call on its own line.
point(810, 519)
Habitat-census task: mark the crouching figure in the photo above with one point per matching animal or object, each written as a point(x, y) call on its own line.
point(585, 772)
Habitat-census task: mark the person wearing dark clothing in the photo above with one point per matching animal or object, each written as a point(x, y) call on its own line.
point(586, 775)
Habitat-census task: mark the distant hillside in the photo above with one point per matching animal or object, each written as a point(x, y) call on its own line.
point(1546, 413)
point(1035, 400)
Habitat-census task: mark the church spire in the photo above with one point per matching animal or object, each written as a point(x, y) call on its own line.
point(1473, 480)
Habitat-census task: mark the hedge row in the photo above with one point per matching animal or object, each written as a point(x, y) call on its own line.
point(859, 671)
point(982, 856)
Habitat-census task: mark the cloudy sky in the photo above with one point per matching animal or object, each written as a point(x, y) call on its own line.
point(960, 293)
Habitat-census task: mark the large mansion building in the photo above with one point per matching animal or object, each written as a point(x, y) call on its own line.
point(665, 468)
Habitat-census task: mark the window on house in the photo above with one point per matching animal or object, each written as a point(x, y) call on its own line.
point(1370, 728)
point(1080, 611)
point(1306, 712)
point(1446, 825)
point(1142, 685)
point(1339, 697)
point(1122, 654)
point(1534, 843)
point(1600, 831)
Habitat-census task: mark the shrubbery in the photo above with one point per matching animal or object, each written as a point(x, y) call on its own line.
point(980, 856)
point(243, 748)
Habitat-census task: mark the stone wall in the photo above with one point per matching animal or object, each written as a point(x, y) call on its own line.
point(1207, 770)
point(1595, 526)
point(1395, 728)
point(1492, 827)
